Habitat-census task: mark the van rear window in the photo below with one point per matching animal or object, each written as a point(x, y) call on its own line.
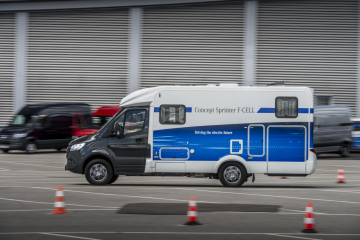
point(172, 114)
point(286, 107)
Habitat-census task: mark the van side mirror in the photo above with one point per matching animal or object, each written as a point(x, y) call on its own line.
point(118, 131)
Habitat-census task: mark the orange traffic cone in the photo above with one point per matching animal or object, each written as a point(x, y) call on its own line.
point(192, 217)
point(59, 201)
point(341, 175)
point(309, 222)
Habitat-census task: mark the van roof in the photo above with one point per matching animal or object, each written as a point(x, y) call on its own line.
point(146, 95)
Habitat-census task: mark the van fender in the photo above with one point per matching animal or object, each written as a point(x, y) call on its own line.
point(348, 140)
point(232, 158)
point(98, 152)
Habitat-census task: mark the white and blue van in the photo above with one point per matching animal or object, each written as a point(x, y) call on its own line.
point(225, 132)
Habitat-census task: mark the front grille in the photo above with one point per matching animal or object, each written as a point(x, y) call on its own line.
point(5, 138)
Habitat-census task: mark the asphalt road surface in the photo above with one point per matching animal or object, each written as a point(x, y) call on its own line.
point(28, 185)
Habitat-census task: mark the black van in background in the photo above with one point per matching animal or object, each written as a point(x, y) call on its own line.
point(332, 130)
point(41, 126)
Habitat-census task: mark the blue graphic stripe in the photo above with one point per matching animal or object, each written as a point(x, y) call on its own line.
point(266, 110)
point(272, 110)
point(156, 109)
point(189, 109)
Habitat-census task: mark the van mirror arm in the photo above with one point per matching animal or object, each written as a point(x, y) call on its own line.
point(118, 131)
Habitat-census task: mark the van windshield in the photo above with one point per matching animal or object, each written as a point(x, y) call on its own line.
point(110, 120)
point(24, 120)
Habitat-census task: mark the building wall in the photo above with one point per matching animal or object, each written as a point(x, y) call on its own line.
point(7, 68)
point(310, 43)
point(78, 56)
point(192, 44)
point(79, 51)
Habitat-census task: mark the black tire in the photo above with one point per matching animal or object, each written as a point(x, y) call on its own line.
point(30, 147)
point(239, 174)
point(95, 172)
point(345, 150)
point(4, 150)
point(114, 178)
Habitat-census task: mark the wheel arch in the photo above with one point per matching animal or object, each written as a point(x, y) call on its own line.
point(97, 156)
point(232, 158)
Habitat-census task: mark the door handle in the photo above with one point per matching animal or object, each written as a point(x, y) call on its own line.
point(139, 140)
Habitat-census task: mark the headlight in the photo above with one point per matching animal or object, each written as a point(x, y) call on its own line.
point(77, 146)
point(19, 135)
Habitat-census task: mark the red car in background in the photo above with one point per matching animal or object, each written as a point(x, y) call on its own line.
point(85, 125)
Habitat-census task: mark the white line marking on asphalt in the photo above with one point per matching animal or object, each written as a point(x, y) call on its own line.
point(188, 233)
point(18, 200)
point(335, 170)
point(60, 235)
point(121, 195)
point(262, 195)
point(319, 213)
point(32, 164)
point(225, 233)
point(69, 209)
point(342, 191)
point(280, 235)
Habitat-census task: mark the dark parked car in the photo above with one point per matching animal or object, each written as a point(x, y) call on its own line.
point(332, 130)
point(41, 126)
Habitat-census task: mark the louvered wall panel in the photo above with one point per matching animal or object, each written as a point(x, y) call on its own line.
point(310, 43)
point(78, 56)
point(192, 44)
point(7, 58)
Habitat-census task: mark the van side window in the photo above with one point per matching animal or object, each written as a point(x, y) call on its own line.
point(286, 107)
point(134, 121)
point(172, 114)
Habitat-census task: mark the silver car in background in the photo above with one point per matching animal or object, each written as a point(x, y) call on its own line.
point(332, 130)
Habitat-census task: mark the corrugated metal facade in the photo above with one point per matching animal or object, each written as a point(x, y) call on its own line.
point(310, 43)
point(7, 57)
point(78, 56)
point(192, 44)
point(82, 55)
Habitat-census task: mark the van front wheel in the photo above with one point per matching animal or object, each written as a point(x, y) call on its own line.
point(98, 172)
point(114, 178)
point(232, 174)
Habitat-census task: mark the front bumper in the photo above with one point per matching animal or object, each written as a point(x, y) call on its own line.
point(13, 145)
point(75, 161)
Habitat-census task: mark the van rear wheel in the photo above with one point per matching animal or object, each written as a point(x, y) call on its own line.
point(98, 172)
point(232, 174)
